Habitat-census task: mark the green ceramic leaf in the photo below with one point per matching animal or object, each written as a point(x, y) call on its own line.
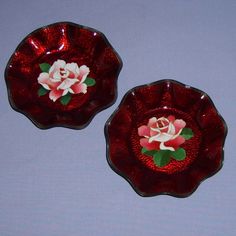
point(161, 158)
point(179, 154)
point(65, 99)
point(187, 133)
point(147, 152)
point(44, 67)
point(90, 81)
point(42, 91)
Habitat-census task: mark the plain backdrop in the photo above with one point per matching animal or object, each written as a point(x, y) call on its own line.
point(57, 182)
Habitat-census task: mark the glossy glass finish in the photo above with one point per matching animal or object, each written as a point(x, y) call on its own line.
point(204, 151)
point(71, 43)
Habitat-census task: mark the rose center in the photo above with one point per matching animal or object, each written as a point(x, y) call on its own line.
point(162, 124)
point(64, 73)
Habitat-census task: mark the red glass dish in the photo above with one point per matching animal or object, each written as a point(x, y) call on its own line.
point(62, 75)
point(172, 109)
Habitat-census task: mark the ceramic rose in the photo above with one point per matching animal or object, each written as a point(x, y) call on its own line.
point(63, 79)
point(162, 133)
point(162, 138)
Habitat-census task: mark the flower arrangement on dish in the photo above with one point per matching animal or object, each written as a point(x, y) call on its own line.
point(158, 138)
point(59, 75)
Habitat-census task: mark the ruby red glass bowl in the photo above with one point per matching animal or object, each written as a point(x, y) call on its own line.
point(62, 75)
point(165, 138)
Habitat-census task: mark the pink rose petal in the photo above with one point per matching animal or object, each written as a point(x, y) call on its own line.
point(79, 88)
point(55, 94)
point(83, 73)
point(67, 83)
point(56, 68)
point(153, 133)
point(179, 124)
point(171, 118)
point(152, 122)
point(46, 82)
point(149, 146)
point(175, 143)
point(73, 70)
point(144, 131)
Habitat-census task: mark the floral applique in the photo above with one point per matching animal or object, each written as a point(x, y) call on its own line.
point(162, 139)
point(62, 80)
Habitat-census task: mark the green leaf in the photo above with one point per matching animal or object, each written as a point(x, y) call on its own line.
point(186, 133)
point(161, 158)
point(179, 154)
point(148, 152)
point(65, 99)
point(42, 91)
point(44, 67)
point(90, 81)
